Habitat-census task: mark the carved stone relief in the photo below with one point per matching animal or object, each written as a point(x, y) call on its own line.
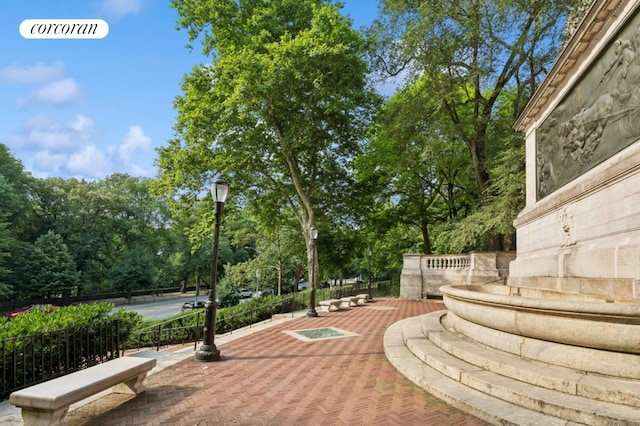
point(566, 220)
point(598, 118)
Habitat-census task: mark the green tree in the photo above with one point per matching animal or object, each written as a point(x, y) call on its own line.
point(420, 162)
point(15, 206)
point(134, 272)
point(507, 197)
point(473, 52)
point(49, 269)
point(101, 221)
point(281, 110)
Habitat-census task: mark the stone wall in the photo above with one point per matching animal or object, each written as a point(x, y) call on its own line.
point(422, 275)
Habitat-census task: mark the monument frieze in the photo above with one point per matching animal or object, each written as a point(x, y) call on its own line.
point(598, 118)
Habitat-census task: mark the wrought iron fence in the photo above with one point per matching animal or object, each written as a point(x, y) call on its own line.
point(40, 357)
point(33, 359)
point(189, 327)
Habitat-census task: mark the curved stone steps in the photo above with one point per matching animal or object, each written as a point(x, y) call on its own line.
point(483, 406)
point(612, 364)
point(602, 388)
point(479, 387)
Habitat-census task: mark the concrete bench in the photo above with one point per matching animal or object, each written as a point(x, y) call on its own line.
point(363, 298)
point(349, 301)
point(331, 304)
point(48, 403)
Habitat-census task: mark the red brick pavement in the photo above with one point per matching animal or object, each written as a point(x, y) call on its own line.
point(271, 378)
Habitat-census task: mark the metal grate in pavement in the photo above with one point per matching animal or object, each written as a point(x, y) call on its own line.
point(324, 333)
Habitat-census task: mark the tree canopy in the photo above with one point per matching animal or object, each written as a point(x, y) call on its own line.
point(474, 54)
point(286, 111)
point(281, 111)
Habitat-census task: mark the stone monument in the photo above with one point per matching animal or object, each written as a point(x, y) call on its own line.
point(576, 277)
point(560, 343)
point(580, 230)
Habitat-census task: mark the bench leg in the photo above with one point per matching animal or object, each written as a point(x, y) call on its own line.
point(35, 417)
point(132, 386)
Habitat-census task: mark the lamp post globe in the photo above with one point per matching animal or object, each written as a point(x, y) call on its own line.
point(313, 234)
point(208, 352)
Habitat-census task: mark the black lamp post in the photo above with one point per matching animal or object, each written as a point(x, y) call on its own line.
point(313, 233)
point(208, 351)
point(369, 253)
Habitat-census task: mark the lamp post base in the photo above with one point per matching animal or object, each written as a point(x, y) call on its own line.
point(207, 353)
point(312, 313)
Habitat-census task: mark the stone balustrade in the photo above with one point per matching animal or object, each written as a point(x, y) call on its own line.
point(422, 275)
point(462, 261)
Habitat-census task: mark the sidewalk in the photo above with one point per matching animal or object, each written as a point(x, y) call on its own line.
point(273, 375)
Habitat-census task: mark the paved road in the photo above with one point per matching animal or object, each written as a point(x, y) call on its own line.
point(164, 308)
point(158, 310)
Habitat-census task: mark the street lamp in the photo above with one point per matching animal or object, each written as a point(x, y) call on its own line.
point(313, 233)
point(369, 253)
point(208, 351)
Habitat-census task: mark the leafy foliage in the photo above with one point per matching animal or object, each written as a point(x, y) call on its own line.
point(49, 268)
point(476, 57)
point(287, 85)
point(46, 343)
point(134, 272)
point(187, 326)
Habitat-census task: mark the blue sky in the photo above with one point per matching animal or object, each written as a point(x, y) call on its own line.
point(90, 108)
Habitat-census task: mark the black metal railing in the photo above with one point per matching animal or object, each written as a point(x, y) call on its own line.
point(33, 359)
point(189, 328)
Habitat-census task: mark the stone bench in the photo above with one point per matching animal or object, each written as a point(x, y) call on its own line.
point(349, 301)
point(363, 298)
point(331, 304)
point(48, 403)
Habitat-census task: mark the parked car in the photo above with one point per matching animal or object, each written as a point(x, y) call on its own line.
point(244, 293)
point(47, 308)
point(193, 305)
point(260, 293)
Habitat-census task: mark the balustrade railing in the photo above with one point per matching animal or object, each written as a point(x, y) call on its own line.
point(462, 261)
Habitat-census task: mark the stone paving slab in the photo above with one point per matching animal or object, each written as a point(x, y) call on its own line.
point(268, 377)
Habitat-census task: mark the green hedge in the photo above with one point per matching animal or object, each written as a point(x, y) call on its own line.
point(44, 343)
point(188, 326)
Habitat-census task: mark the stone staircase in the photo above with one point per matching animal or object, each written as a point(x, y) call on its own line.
point(503, 388)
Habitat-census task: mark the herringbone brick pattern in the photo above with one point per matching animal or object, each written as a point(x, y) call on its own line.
point(271, 378)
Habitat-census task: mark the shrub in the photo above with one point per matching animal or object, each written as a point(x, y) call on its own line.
point(46, 343)
point(188, 326)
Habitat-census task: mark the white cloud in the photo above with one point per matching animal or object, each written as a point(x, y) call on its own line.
point(89, 161)
point(120, 8)
point(81, 124)
point(38, 74)
point(42, 132)
point(47, 161)
point(134, 140)
point(51, 147)
point(59, 92)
